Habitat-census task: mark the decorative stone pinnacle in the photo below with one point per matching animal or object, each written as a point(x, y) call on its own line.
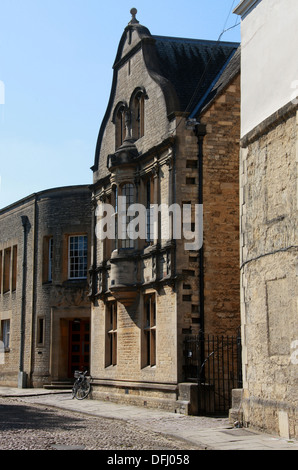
point(133, 13)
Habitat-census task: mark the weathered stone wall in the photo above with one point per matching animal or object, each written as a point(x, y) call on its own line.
point(11, 234)
point(130, 380)
point(269, 276)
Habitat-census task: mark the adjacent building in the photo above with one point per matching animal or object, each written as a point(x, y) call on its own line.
point(45, 244)
point(268, 211)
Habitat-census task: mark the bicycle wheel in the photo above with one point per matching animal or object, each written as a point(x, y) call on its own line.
point(74, 390)
point(83, 390)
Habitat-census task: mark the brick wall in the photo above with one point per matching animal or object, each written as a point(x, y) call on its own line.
point(221, 212)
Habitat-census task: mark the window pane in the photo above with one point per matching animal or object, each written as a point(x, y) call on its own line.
point(78, 257)
point(6, 333)
point(128, 192)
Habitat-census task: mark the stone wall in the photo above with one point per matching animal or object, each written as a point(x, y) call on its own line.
point(269, 274)
point(130, 380)
point(11, 303)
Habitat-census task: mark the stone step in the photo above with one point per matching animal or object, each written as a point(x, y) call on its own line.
point(58, 385)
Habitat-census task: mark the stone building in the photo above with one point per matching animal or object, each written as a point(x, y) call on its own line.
point(44, 305)
point(170, 137)
point(268, 194)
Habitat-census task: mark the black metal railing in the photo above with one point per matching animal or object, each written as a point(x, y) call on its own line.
point(214, 363)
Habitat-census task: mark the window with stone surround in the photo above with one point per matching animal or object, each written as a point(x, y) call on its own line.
point(77, 259)
point(119, 121)
point(149, 331)
point(111, 333)
point(6, 270)
point(48, 250)
point(5, 333)
point(149, 211)
point(138, 114)
point(40, 331)
point(14, 267)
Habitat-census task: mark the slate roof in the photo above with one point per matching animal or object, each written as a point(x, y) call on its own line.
point(192, 66)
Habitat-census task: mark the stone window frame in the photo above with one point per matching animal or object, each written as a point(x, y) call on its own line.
point(149, 197)
point(83, 256)
point(111, 355)
point(5, 333)
point(48, 253)
point(128, 190)
point(40, 331)
point(129, 119)
point(7, 269)
point(137, 109)
point(149, 350)
point(119, 121)
point(14, 273)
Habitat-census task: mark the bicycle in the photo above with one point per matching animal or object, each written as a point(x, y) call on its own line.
point(82, 386)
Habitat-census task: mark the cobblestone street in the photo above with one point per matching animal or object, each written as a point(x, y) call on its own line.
point(35, 419)
point(28, 426)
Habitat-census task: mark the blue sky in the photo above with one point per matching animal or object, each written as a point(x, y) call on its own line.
point(56, 62)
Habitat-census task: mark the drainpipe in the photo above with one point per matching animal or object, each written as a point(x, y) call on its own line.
point(22, 376)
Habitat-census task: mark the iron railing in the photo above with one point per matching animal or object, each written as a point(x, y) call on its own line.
point(214, 363)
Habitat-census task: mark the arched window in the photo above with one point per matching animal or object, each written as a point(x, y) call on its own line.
point(139, 115)
point(137, 105)
point(119, 118)
point(120, 127)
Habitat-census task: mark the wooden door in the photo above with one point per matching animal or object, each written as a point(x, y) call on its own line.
point(79, 346)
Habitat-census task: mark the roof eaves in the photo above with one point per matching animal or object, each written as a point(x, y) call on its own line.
point(202, 103)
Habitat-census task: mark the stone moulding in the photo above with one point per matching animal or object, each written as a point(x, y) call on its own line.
point(281, 115)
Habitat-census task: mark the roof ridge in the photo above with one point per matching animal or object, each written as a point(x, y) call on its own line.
point(194, 40)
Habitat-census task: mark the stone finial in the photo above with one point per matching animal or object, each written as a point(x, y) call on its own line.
point(133, 13)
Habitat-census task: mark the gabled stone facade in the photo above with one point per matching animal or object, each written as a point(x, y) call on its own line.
point(170, 135)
